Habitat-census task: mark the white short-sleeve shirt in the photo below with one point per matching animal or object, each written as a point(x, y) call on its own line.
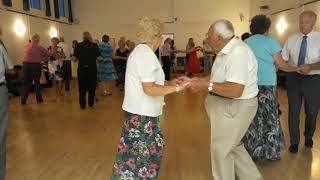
point(291, 49)
point(143, 66)
point(236, 63)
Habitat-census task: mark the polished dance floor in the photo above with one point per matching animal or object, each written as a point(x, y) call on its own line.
point(56, 141)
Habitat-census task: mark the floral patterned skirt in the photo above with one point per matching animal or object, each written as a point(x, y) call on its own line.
point(264, 138)
point(140, 150)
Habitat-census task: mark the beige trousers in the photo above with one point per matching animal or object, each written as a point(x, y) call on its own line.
point(230, 120)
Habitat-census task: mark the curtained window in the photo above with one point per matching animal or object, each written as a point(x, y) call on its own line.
point(56, 9)
point(7, 3)
point(35, 4)
point(26, 5)
point(61, 8)
point(70, 18)
point(48, 8)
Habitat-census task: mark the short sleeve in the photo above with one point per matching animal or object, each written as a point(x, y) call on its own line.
point(7, 62)
point(285, 51)
point(275, 46)
point(147, 67)
point(238, 67)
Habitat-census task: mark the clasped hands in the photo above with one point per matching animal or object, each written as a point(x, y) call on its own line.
point(304, 69)
point(191, 84)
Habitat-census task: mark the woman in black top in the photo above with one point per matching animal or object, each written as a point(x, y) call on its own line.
point(120, 63)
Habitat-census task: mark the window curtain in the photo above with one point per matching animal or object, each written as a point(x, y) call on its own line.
point(7, 3)
point(70, 18)
point(56, 9)
point(62, 12)
point(48, 8)
point(26, 5)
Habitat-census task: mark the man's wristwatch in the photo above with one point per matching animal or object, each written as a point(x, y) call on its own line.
point(177, 88)
point(210, 88)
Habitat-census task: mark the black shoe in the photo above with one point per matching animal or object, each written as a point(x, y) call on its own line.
point(308, 143)
point(23, 102)
point(40, 101)
point(294, 148)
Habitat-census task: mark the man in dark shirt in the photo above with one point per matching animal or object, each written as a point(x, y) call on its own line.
point(87, 53)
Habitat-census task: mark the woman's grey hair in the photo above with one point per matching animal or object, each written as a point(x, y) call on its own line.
point(223, 28)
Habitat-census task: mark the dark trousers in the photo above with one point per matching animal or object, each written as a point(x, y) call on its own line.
point(67, 75)
point(120, 66)
point(166, 61)
point(31, 74)
point(4, 98)
point(87, 80)
point(307, 88)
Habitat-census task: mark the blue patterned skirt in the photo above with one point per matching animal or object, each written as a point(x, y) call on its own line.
point(106, 71)
point(264, 138)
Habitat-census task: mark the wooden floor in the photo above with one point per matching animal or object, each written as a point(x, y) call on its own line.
point(56, 141)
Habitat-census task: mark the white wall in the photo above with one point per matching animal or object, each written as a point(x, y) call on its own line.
point(119, 17)
point(291, 16)
point(43, 27)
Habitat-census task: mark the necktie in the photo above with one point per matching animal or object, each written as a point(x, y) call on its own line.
point(303, 51)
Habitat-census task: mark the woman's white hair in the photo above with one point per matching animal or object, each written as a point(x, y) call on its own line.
point(149, 28)
point(223, 28)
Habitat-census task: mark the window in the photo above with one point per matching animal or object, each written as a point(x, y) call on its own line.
point(61, 8)
point(35, 4)
point(7, 3)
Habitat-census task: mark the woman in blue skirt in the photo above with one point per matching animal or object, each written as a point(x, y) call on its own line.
point(106, 71)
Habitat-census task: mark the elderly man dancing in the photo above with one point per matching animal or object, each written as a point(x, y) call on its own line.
point(231, 104)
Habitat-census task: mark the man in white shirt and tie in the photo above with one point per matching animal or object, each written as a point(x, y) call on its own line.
point(303, 50)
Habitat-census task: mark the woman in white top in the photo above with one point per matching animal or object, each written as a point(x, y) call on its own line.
point(141, 145)
point(55, 66)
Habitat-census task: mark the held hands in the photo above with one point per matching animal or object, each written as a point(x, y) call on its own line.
point(181, 83)
point(304, 69)
point(194, 85)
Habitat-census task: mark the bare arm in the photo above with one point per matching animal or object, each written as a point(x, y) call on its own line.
point(315, 66)
point(115, 57)
point(228, 89)
point(153, 89)
point(225, 89)
point(307, 68)
point(281, 64)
